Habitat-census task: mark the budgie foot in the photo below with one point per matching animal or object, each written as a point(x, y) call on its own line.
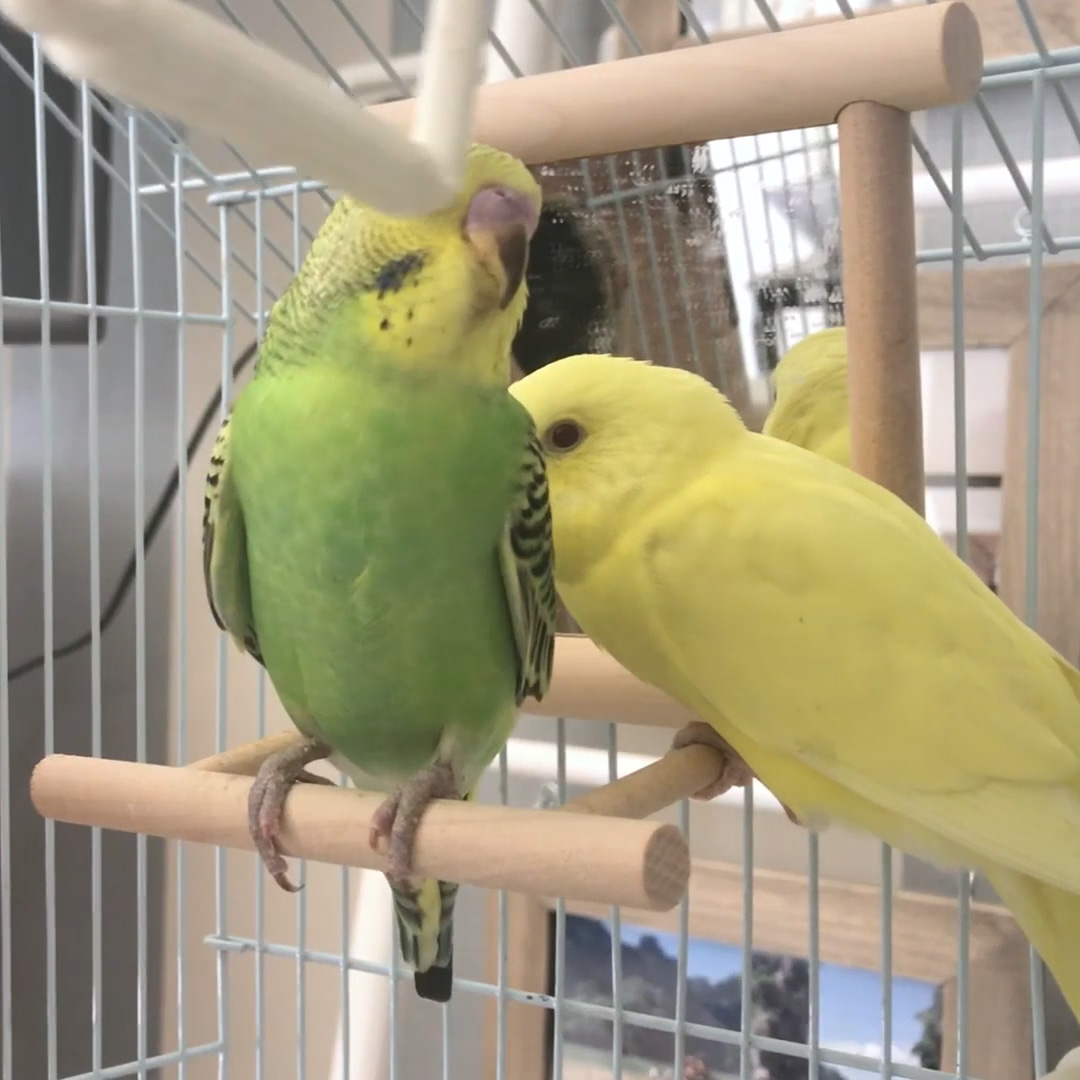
point(398, 818)
point(735, 773)
point(266, 800)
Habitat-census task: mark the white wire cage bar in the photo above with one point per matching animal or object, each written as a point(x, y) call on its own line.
point(251, 239)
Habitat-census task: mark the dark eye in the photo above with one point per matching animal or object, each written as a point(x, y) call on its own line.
point(565, 435)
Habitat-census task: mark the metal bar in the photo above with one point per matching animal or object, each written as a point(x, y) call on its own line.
point(343, 971)
point(180, 555)
point(504, 939)
point(963, 971)
point(221, 714)
point(159, 1061)
point(813, 953)
point(97, 966)
point(260, 727)
point(1031, 62)
point(1006, 249)
point(302, 865)
point(139, 389)
point(886, 962)
point(7, 1068)
point(1031, 485)
point(66, 307)
point(603, 1012)
point(682, 959)
point(618, 1033)
point(46, 544)
point(959, 356)
point(560, 922)
point(218, 181)
point(745, 1042)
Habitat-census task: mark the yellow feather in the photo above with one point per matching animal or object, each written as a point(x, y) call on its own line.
point(863, 672)
point(811, 386)
point(429, 901)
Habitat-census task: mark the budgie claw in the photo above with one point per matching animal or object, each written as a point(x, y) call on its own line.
point(735, 773)
point(398, 817)
point(266, 800)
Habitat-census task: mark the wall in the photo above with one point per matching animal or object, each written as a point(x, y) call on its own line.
point(71, 704)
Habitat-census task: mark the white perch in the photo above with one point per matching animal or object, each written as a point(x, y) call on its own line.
point(451, 68)
point(167, 56)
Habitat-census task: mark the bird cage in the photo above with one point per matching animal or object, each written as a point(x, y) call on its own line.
point(720, 180)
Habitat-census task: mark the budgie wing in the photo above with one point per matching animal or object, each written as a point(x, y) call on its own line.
point(527, 561)
point(225, 565)
point(823, 624)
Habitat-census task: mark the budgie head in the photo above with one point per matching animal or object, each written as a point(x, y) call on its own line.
point(445, 291)
point(819, 358)
point(619, 435)
point(811, 386)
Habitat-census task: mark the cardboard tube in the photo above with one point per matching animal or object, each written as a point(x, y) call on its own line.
point(911, 59)
point(608, 860)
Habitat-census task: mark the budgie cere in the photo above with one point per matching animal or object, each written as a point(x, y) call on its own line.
point(377, 531)
point(811, 385)
point(836, 645)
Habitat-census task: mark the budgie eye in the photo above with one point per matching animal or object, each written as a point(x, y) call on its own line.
point(564, 435)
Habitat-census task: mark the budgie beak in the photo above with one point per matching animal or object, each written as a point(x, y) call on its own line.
point(499, 224)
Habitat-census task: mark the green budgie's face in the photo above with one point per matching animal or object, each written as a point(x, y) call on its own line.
point(421, 290)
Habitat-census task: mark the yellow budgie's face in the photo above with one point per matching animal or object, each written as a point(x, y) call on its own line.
point(618, 436)
point(451, 284)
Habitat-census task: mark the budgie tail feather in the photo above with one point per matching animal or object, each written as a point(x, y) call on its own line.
point(1050, 919)
point(425, 918)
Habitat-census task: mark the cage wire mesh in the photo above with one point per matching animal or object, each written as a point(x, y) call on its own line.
point(137, 261)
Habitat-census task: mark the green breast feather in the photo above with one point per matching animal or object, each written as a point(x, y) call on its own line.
point(388, 556)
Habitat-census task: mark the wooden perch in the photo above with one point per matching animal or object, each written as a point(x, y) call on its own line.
point(911, 59)
point(597, 857)
point(877, 238)
point(676, 775)
point(588, 684)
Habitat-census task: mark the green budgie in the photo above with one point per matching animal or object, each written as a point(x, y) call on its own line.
point(377, 531)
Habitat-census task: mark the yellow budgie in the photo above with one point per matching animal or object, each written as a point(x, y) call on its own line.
point(811, 406)
point(838, 648)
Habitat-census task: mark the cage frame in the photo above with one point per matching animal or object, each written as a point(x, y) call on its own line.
point(867, 75)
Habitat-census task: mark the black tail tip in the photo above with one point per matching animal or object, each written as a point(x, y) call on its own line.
point(435, 984)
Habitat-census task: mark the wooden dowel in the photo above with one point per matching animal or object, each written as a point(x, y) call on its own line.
point(677, 775)
point(245, 760)
point(589, 685)
point(584, 857)
point(675, 40)
point(877, 235)
point(912, 59)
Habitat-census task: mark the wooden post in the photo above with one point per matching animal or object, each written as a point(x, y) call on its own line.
point(877, 234)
